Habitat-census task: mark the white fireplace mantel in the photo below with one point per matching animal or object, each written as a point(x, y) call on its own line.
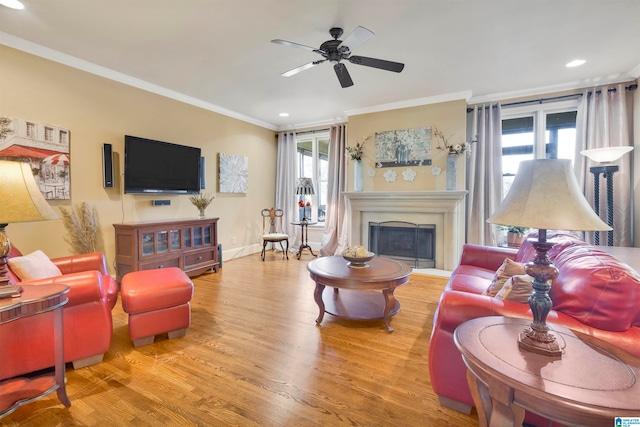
point(445, 209)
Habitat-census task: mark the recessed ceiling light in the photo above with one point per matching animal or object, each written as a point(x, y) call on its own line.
point(284, 114)
point(13, 4)
point(576, 63)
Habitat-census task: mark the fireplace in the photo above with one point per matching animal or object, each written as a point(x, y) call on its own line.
point(444, 209)
point(412, 243)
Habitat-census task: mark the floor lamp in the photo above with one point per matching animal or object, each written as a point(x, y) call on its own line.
point(544, 195)
point(20, 201)
point(604, 157)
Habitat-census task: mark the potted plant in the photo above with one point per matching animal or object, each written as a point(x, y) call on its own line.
point(515, 235)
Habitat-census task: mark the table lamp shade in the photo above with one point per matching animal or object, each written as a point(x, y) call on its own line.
point(20, 197)
point(305, 186)
point(545, 195)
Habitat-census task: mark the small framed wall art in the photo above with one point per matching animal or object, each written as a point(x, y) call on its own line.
point(233, 173)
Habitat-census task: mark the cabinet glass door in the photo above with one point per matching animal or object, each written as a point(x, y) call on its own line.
point(163, 242)
point(174, 236)
point(207, 235)
point(148, 244)
point(187, 237)
point(197, 236)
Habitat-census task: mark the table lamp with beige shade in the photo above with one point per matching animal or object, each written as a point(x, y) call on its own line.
point(545, 195)
point(305, 188)
point(21, 202)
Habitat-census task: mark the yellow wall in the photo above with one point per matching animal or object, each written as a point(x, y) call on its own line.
point(448, 117)
point(96, 111)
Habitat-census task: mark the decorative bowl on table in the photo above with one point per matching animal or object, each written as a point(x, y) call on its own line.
point(357, 256)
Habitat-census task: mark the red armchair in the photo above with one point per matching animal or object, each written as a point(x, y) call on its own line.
point(27, 343)
point(594, 293)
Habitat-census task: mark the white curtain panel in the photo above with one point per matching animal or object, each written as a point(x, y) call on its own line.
point(336, 220)
point(602, 121)
point(484, 174)
point(286, 181)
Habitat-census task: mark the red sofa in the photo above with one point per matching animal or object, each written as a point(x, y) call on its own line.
point(27, 343)
point(594, 293)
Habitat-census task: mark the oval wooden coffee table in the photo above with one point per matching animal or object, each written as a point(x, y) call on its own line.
point(356, 294)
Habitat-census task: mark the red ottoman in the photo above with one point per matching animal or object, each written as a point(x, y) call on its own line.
point(157, 301)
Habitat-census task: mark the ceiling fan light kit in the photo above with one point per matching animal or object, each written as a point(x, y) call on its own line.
point(337, 50)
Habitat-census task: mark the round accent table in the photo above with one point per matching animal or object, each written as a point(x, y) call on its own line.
point(34, 301)
point(356, 290)
point(590, 385)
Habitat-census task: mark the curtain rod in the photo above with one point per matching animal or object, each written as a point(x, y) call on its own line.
point(313, 131)
point(557, 98)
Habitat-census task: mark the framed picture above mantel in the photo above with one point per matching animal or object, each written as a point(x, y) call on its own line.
point(403, 147)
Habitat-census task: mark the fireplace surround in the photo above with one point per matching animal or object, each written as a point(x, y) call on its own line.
point(444, 209)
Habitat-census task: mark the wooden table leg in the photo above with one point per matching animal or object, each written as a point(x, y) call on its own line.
point(389, 304)
point(481, 399)
point(317, 295)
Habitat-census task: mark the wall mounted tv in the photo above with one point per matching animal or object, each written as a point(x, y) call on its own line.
point(156, 167)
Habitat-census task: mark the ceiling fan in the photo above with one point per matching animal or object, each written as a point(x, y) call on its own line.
point(336, 50)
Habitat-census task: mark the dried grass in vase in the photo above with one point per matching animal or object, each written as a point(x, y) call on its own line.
point(201, 201)
point(82, 226)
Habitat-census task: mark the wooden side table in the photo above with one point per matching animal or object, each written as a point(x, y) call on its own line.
point(35, 300)
point(593, 383)
point(305, 236)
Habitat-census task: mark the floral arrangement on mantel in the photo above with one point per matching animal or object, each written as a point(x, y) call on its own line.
point(451, 148)
point(356, 152)
point(201, 201)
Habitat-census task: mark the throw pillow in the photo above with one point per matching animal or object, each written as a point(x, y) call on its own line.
point(508, 268)
point(517, 288)
point(36, 265)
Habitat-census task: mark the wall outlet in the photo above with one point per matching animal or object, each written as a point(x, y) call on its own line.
point(233, 240)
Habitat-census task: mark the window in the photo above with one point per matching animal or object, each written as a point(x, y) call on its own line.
point(536, 132)
point(31, 130)
point(313, 161)
point(48, 134)
point(64, 137)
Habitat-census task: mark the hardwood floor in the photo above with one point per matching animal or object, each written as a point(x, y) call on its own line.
point(253, 356)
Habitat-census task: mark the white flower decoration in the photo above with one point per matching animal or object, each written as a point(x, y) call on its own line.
point(409, 174)
point(390, 175)
point(435, 171)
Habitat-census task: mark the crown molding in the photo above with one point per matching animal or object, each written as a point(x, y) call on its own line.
point(437, 99)
point(89, 67)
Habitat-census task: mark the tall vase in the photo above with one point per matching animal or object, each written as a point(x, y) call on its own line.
point(358, 175)
point(452, 160)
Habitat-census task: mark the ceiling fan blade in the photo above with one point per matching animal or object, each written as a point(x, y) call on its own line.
point(357, 37)
point(343, 75)
point(301, 68)
point(377, 63)
point(292, 44)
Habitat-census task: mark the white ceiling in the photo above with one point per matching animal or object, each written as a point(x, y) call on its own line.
point(218, 54)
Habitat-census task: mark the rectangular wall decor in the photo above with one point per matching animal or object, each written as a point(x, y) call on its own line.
point(403, 147)
point(45, 148)
point(233, 173)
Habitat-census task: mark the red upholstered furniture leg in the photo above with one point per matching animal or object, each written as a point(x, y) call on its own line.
point(157, 302)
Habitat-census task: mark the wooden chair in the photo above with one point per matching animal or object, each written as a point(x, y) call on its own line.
point(272, 229)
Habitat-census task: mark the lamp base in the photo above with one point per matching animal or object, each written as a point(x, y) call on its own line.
point(9, 290)
point(541, 342)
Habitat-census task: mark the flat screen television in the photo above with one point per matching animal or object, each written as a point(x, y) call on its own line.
point(156, 167)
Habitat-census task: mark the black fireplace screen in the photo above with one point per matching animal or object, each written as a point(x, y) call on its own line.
point(404, 241)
